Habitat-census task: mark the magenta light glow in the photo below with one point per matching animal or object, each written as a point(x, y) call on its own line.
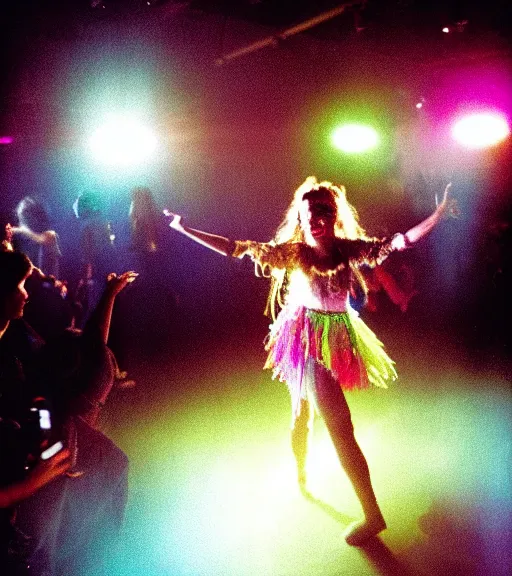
point(480, 130)
point(6, 140)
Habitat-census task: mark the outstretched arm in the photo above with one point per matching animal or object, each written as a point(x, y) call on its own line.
point(266, 256)
point(447, 207)
point(219, 244)
point(48, 237)
point(102, 314)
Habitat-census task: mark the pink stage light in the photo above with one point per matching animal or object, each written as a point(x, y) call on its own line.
point(480, 130)
point(446, 30)
point(6, 140)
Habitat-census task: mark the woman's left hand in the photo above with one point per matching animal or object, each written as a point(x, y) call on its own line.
point(448, 206)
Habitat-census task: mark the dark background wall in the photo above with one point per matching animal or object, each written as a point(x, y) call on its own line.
point(237, 139)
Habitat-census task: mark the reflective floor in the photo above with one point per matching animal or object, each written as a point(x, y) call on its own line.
point(213, 489)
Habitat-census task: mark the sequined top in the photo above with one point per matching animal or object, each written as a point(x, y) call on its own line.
point(316, 282)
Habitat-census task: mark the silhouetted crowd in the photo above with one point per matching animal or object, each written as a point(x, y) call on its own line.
point(63, 483)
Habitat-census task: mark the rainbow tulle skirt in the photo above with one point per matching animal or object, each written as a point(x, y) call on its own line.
point(339, 341)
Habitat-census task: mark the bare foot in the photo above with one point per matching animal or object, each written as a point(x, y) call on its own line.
point(359, 533)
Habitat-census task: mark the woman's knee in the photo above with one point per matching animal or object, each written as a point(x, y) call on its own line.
point(333, 405)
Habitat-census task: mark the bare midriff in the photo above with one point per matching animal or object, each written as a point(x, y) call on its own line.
point(314, 293)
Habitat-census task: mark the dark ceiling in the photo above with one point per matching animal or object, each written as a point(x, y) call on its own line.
point(21, 19)
point(420, 14)
point(481, 29)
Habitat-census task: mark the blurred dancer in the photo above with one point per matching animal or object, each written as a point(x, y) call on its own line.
point(96, 250)
point(153, 301)
point(145, 222)
point(34, 227)
point(49, 310)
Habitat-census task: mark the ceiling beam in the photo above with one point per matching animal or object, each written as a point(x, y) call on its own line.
point(275, 39)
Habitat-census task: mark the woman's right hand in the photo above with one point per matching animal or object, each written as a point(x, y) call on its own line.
point(212, 241)
point(176, 220)
point(42, 474)
point(16, 229)
point(117, 283)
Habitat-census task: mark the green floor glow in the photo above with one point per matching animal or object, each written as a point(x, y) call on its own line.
point(213, 490)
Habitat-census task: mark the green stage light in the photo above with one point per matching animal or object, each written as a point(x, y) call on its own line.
point(355, 138)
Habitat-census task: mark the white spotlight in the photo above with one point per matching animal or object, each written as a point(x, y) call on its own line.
point(122, 141)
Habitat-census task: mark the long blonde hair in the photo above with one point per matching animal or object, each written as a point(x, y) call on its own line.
point(290, 231)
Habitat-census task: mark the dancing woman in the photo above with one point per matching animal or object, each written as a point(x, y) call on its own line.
point(34, 226)
point(317, 344)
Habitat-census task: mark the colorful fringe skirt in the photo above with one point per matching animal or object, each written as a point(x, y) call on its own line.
point(339, 341)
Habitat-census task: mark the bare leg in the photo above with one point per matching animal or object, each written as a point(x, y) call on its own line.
point(301, 428)
point(335, 411)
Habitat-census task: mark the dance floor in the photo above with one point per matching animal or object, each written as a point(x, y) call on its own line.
point(212, 482)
